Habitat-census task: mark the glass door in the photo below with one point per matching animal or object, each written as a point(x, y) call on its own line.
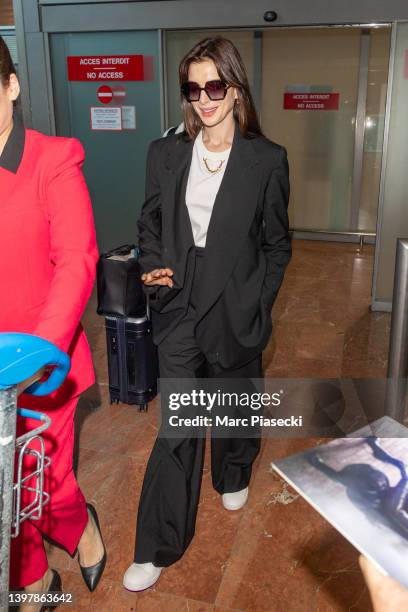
point(323, 97)
point(321, 93)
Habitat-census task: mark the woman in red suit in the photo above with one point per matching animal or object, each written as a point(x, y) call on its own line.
point(48, 254)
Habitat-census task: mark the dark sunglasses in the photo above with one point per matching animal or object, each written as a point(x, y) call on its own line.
point(215, 90)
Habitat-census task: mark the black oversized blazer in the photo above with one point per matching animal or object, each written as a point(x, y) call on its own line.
point(247, 248)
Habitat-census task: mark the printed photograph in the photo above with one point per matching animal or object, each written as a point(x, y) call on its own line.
point(360, 485)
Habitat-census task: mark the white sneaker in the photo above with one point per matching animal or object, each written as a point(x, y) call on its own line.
point(140, 576)
point(235, 501)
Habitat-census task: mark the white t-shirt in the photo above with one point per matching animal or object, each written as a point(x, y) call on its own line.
point(202, 187)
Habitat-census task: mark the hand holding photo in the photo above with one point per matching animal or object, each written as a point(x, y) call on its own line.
point(360, 486)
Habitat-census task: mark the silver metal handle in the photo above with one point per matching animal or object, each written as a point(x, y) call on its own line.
point(148, 307)
point(8, 414)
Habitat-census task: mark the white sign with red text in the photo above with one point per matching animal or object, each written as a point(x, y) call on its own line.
point(106, 118)
point(128, 117)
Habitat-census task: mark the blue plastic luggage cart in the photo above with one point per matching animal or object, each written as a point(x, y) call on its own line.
point(21, 357)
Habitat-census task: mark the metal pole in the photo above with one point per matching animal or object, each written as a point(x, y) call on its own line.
point(8, 402)
point(257, 75)
point(398, 351)
point(360, 129)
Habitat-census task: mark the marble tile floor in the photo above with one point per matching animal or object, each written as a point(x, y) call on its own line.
point(277, 553)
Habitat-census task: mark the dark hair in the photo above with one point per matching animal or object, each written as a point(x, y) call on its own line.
point(365, 485)
point(231, 69)
point(6, 64)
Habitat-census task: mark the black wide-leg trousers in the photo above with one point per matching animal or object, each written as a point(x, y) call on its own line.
point(172, 482)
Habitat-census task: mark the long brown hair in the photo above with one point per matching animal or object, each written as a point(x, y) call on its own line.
point(6, 64)
point(231, 69)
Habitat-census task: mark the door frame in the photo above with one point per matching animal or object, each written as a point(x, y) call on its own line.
point(354, 235)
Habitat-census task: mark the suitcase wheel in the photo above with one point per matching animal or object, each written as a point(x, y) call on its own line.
point(143, 407)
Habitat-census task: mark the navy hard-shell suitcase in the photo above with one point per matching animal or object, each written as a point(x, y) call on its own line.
point(132, 360)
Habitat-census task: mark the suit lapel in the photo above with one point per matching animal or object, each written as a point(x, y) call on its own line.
point(232, 214)
point(233, 211)
point(179, 232)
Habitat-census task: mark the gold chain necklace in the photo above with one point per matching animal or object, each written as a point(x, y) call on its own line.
point(216, 169)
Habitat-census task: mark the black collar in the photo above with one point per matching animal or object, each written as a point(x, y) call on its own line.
point(12, 154)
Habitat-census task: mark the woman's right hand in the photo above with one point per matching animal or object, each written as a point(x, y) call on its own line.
point(159, 276)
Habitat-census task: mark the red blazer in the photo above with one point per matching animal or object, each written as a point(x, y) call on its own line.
point(48, 250)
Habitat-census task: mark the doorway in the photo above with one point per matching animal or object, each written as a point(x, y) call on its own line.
point(320, 92)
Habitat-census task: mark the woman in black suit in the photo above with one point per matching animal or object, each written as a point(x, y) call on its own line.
point(214, 243)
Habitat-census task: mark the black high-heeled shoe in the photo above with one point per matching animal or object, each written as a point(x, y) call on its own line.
point(55, 585)
point(93, 573)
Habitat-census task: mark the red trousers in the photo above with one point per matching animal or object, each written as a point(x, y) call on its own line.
point(65, 516)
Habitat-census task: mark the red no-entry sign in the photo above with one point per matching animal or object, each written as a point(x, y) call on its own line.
point(105, 94)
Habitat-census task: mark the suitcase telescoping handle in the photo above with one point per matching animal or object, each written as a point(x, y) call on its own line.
point(124, 249)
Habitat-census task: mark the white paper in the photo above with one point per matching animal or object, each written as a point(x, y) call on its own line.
point(106, 118)
point(129, 117)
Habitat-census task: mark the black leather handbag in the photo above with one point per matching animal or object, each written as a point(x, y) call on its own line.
point(119, 286)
